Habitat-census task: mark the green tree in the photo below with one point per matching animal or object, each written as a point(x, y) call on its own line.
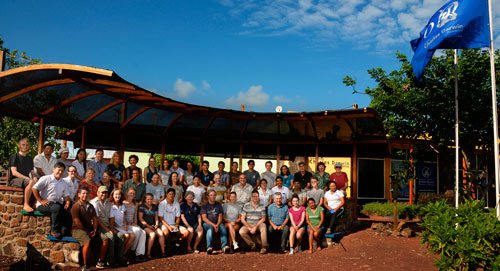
point(412, 109)
point(12, 129)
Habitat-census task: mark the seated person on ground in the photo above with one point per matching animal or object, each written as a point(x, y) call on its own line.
point(170, 216)
point(52, 196)
point(114, 238)
point(333, 202)
point(278, 222)
point(148, 219)
point(117, 219)
point(298, 221)
point(253, 218)
point(131, 207)
point(191, 221)
point(232, 218)
point(314, 218)
point(212, 214)
point(85, 227)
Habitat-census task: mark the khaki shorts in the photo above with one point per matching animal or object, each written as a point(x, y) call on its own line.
point(81, 236)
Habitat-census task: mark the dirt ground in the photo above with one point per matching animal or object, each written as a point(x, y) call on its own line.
point(364, 250)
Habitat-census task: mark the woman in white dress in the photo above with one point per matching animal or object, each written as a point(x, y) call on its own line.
point(131, 207)
point(117, 221)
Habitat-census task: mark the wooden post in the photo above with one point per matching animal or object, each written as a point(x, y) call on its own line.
point(123, 116)
point(2, 61)
point(40, 136)
point(82, 143)
point(202, 153)
point(316, 158)
point(354, 181)
point(241, 157)
point(163, 149)
point(278, 160)
point(387, 178)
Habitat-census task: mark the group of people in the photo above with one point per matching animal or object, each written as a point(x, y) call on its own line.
point(128, 209)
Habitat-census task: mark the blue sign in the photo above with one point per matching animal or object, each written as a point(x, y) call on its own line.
point(426, 174)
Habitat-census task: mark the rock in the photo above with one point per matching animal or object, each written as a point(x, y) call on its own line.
point(17, 200)
point(15, 224)
point(6, 198)
point(400, 226)
point(57, 256)
point(407, 233)
point(40, 231)
point(7, 249)
point(21, 242)
point(37, 244)
point(57, 246)
point(11, 209)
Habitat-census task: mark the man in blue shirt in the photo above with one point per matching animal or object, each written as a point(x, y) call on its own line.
point(278, 222)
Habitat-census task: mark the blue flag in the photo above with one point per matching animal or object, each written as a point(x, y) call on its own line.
point(459, 24)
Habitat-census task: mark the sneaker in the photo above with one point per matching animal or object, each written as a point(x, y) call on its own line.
point(235, 245)
point(328, 231)
point(85, 268)
point(100, 265)
point(263, 250)
point(210, 251)
point(226, 250)
point(291, 251)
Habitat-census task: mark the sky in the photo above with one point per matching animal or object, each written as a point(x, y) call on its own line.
point(222, 53)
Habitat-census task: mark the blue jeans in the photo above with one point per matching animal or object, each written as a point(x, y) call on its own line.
point(209, 229)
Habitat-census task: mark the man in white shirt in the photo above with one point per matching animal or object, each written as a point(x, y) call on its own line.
point(52, 196)
point(169, 213)
point(243, 189)
point(72, 181)
point(281, 189)
point(44, 162)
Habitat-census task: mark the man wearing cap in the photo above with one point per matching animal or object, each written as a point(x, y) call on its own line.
point(64, 152)
point(252, 175)
point(339, 177)
point(108, 234)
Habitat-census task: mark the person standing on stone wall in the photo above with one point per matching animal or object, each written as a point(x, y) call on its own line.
point(21, 168)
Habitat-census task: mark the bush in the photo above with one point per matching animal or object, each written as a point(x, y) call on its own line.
point(387, 209)
point(466, 238)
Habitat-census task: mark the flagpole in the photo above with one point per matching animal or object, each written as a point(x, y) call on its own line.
point(457, 168)
point(495, 112)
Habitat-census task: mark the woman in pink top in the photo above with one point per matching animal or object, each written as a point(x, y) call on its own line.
point(297, 217)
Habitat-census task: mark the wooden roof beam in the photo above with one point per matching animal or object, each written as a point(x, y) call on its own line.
point(35, 87)
point(102, 110)
point(135, 115)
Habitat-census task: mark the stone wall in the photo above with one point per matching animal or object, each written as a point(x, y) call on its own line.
point(25, 237)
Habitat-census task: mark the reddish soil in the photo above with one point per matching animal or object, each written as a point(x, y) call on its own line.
point(364, 250)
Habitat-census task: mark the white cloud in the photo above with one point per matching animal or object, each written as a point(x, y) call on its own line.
point(254, 96)
point(370, 24)
point(281, 99)
point(205, 85)
point(183, 89)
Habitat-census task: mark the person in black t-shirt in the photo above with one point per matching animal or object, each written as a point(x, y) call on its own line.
point(303, 176)
point(149, 222)
point(21, 171)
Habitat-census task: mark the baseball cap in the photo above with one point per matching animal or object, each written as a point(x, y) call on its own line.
point(64, 149)
point(102, 188)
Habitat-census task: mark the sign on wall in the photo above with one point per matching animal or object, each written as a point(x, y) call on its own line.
point(426, 173)
point(330, 168)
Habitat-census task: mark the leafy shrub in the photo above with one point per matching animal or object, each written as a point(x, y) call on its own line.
point(387, 209)
point(466, 238)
